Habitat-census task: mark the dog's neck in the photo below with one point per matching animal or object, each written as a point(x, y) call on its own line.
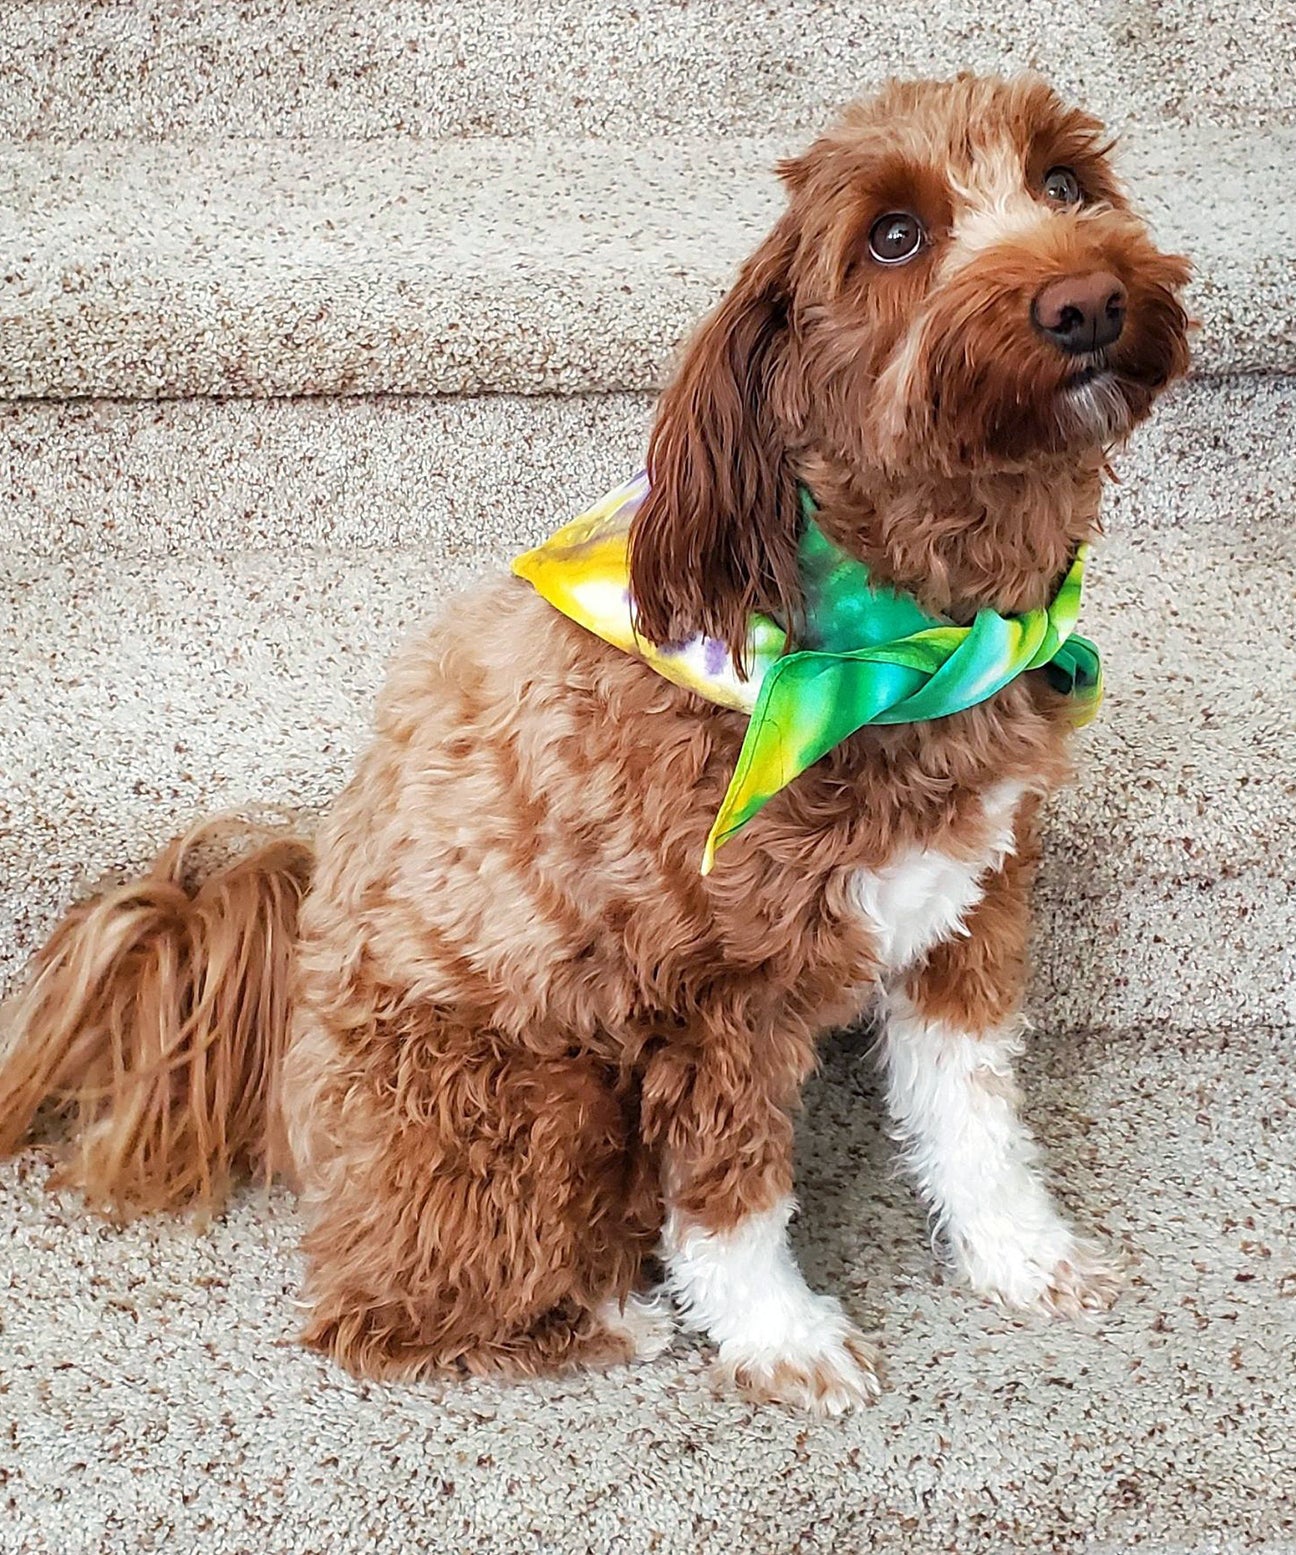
point(960, 543)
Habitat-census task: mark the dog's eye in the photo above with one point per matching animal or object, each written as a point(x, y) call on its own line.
point(1062, 186)
point(895, 237)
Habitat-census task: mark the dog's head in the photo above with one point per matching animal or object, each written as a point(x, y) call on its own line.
point(957, 285)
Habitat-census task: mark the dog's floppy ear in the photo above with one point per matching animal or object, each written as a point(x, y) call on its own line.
point(716, 537)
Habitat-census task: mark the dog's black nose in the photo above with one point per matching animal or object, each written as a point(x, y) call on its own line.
point(1081, 313)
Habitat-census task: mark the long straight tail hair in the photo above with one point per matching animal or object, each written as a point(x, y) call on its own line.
point(154, 1024)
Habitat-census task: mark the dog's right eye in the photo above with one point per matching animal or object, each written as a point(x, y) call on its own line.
point(895, 237)
point(1062, 186)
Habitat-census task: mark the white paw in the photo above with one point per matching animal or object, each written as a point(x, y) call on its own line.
point(1050, 1270)
point(647, 1323)
point(825, 1372)
point(1089, 1281)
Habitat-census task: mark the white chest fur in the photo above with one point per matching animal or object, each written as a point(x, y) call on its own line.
point(923, 895)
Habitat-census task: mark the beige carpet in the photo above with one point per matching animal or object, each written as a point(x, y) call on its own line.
point(152, 1387)
point(270, 267)
point(365, 294)
point(154, 1400)
point(624, 69)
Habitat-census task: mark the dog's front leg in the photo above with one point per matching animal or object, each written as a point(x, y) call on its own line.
point(726, 1135)
point(953, 1029)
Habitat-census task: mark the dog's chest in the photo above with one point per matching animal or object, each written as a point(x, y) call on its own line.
point(924, 895)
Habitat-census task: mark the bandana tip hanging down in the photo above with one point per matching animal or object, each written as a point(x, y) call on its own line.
point(867, 655)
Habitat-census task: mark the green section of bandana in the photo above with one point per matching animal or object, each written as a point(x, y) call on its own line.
point(812, 700)
point(866, 655)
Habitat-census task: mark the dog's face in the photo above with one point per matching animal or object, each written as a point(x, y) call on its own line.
point(963, 254)
point(958, 287)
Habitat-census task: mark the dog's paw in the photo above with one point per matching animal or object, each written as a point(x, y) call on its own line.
point(646, 1323)
point(1088, 1281)
point(1059, 1274)
point(824, 1373)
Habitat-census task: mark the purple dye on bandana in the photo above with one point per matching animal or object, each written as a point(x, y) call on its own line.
point(715, 655)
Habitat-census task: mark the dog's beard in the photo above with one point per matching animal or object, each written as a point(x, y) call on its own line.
point(1091, 405)
point(967, 405)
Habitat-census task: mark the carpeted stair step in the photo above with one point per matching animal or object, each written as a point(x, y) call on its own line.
point(263, 267)
point(623, 70)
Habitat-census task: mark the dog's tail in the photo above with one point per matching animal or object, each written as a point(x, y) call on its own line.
point(155, 1022)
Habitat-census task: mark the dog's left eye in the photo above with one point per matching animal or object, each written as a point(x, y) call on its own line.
point(1062, 186)
point(895, 237)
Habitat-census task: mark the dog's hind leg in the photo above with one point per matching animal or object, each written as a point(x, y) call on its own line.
point(379, 1343)
point(473, 1205)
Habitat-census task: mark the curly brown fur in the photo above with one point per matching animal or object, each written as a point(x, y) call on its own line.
point(528, 1039)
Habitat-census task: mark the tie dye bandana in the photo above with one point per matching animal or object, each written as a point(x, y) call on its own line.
point(866, 656)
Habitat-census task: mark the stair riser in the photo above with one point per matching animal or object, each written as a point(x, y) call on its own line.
point(471, 476)
point(273, 67)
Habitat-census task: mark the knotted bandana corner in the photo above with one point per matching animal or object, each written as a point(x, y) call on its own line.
point(867, 655)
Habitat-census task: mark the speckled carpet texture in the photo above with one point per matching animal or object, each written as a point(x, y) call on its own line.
point(309, 312)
